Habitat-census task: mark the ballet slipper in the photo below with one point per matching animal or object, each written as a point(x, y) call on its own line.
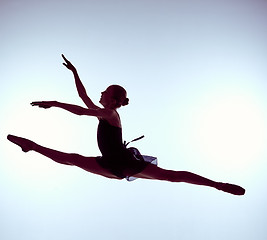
point(231, 188)
point(25, 144)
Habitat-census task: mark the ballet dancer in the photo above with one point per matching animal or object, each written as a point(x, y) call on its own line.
point(117, 161)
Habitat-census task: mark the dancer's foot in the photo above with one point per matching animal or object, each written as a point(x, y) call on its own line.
point(230, 188)
point(25, 144)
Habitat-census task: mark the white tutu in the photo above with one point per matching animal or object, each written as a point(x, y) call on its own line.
point(140, 157)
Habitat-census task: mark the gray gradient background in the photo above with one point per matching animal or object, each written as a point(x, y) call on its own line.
point(195, 72)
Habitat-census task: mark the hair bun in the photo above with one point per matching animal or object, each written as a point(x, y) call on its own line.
point(125, 102)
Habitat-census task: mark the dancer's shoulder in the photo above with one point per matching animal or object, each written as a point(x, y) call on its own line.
point(111, 116)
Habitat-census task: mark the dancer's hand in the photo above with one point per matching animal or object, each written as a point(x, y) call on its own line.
point(44, 104)
point(68, 64)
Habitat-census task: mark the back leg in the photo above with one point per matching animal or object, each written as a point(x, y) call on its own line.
point(154, 172)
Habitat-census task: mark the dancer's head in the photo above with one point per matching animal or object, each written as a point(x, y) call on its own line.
point(114, 97)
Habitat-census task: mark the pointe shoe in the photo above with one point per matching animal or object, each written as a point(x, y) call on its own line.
point(25, 144)
point(231, 188)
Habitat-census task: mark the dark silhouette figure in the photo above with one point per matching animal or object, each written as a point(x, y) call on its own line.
point(117, 161)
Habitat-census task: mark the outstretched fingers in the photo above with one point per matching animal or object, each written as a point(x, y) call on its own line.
point(65, 59)
point(43, 104)
point(67, 63)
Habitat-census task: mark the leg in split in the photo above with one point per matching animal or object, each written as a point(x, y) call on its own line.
point(157, 173)
point(87, 163)
point(150, 172)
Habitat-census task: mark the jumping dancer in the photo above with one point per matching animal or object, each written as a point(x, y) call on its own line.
point(117, 161)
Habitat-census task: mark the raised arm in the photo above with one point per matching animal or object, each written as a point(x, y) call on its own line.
point(80, 88)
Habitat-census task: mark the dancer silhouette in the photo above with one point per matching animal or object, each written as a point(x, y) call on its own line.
point(117, 161)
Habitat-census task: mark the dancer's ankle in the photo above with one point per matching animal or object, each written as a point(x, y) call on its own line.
point(230, 188)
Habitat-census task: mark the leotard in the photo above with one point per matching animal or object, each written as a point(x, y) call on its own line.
point(116, 158)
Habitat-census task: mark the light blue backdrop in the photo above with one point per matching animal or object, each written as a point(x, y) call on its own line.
point(195, 72)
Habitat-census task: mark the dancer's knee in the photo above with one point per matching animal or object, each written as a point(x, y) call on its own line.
point(158, 173)
point(172, 176)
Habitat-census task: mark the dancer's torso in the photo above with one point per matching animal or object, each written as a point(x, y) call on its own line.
point(109, 138)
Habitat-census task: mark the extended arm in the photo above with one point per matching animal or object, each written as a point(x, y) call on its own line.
point(100, 112)
point(80, 88)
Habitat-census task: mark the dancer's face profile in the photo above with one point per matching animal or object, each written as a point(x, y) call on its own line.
point(107, 99)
